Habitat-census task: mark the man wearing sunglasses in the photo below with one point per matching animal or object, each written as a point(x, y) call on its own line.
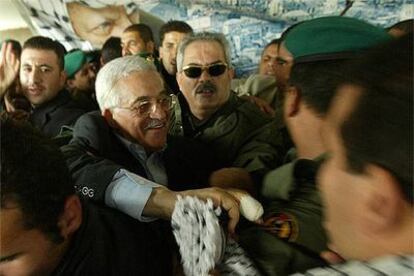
point(122, 155)
point(236, 131)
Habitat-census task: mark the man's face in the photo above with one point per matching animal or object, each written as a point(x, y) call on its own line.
point(25, 252)
point(132, 44)
point(268, 61)
point(206, 93)
point(84, 79)
point(168, 51)
point(342, 191)
point(97, 25)
point(40, 75)
point(138, 90)
point(283, 65)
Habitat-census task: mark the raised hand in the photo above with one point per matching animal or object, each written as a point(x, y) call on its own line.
point(9, 67)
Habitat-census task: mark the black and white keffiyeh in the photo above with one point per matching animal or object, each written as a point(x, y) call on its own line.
point(202, 242)
point(51, 19)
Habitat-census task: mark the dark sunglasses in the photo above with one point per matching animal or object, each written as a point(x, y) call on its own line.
point(195, 71)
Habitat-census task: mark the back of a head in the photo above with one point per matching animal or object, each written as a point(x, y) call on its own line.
point(144, 31)
point(34, 176)
point(380, 128)
point(112, 72)
point(111, 49)
point(45, 43)
point(174, 26)
point(319, 60)
point(401, 28)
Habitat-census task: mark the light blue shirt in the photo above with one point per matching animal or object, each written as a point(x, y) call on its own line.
point(129, 192)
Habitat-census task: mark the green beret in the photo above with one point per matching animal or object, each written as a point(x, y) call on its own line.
point(74, 62)
point(333, 37)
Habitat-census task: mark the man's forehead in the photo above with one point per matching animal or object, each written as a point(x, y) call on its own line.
point(11, 218)
point(284, 53)
point(138, 79)
point(202, 50)
point(130, 35)
point(47, 56)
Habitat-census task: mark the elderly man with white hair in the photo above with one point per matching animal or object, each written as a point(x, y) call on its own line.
point(122, 156)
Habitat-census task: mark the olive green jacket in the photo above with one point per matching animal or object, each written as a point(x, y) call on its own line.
point(239, 134)
point(293, 236)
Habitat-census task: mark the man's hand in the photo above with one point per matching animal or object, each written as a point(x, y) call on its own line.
point(9, 67)
point(162, 202)
point(261, 104)
point(233, 177)
point(223, 198)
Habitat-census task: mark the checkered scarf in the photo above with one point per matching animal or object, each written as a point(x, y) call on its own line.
point(202, 242)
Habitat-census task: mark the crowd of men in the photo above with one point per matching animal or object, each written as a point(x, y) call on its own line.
point(96, 148)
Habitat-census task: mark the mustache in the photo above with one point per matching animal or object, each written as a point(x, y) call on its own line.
point(206, 86)
point(155, 123)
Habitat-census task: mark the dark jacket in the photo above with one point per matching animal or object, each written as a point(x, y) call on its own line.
point(111, 243)
point(170, 80)
point(294, 236)
point(95, 154)
point(52, 115)
point(239, 134)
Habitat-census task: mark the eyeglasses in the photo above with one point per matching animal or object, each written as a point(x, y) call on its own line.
point(195, 71)
point(144, 107)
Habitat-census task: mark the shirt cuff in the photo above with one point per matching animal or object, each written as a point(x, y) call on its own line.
point(129, 194)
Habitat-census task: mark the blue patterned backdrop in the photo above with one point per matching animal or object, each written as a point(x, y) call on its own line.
point(250, 24)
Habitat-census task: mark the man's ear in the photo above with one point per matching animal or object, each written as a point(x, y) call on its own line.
point(179, 77)
point(70, 83)
point(383, 203)
point(107, 114)
point(62, 78)
point(231, 73)
point(71, 218)
point(160, 52)
point(291, 101)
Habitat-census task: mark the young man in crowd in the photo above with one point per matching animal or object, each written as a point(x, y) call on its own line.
point(171, 34)
point(292, 236)
point(80, 80)
point(367, 182)
point(137, 39)
point(42, 80)
point(46, 229)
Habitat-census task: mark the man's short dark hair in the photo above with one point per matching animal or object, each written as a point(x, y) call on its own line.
point(34, 177)
point(144, 31)
point(111, 49)
point(406, 26)
point(45, 43)
point(316, 82)
point(379, 129)
point(174, 26)
point(272, 42)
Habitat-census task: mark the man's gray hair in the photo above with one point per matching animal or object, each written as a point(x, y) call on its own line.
point(111, 73)
point(207, 37)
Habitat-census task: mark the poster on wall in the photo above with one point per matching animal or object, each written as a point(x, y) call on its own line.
point(247, 24)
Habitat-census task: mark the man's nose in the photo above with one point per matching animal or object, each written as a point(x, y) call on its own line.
point(204, 75)
point(125, 51)
point(34, 76)
point(157, 112)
